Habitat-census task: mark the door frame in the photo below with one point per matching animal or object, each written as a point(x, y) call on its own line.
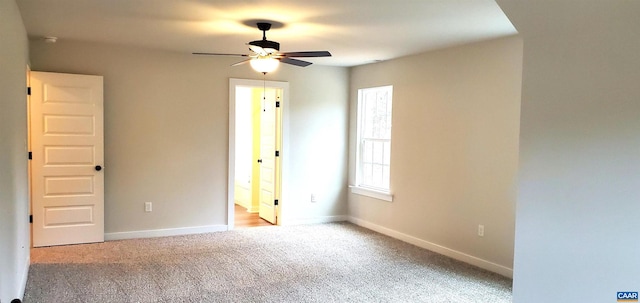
point(284, 149)
point(29, 149)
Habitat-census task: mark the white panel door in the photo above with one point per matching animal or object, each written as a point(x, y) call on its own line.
point(67, 144)
point(268, 147)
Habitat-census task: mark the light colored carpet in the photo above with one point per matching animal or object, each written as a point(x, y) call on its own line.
point(337, 262)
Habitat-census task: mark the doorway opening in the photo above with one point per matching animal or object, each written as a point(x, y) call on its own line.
point(258, 144)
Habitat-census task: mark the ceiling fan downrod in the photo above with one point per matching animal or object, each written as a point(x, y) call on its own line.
point(264, 27)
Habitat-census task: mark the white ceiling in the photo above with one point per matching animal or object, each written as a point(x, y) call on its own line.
point(355, 31)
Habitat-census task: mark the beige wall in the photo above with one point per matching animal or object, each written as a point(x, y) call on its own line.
point(578, 202)
point(166, 133)
point(454, 152)
point(14, 199)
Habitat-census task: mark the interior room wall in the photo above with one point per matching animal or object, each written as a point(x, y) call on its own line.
point(14, 195)
point(244, 147)
point(579, 179)
point(256, 114)
point(166, 133)
point(454, 151)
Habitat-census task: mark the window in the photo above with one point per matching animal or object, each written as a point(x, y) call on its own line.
point(373, 163)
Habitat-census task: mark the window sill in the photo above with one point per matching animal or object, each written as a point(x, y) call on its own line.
point(386, 196)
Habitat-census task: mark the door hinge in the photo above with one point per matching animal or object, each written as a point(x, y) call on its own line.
point(277, 103)
point(277, 153)
point(275, 202)
point(29, 90)
point(30, 155)
point(30, 218)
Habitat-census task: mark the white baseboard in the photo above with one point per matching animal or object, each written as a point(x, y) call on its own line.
point(316, 220)
point(460, 256)
point(153, 233)
point(249, 208)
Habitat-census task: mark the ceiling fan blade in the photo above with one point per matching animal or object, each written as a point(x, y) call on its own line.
point(306, 54)
point(219, 54)
point(241, 62)
point(295, 62)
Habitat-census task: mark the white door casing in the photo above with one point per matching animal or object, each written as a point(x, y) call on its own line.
point(283, 191)
point(67, 145)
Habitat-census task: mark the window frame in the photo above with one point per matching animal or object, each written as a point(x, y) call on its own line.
point(360, 187)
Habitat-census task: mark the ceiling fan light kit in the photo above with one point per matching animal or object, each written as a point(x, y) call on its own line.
point(264, 64)
point(267, 56)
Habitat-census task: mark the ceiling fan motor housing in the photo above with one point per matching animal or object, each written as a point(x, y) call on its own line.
point(266, 44)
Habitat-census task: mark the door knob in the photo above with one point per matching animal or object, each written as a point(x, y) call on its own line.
point(98, 168)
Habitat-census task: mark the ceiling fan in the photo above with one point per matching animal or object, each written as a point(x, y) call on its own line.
point(265, 54)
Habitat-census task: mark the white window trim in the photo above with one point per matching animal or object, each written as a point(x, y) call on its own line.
point(377, 194)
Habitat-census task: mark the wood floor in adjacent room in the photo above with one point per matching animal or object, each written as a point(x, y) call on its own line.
point(245, 219)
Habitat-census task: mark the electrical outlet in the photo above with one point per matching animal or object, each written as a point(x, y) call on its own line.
point(313, 198)
point(147, 207)
point(481, 230)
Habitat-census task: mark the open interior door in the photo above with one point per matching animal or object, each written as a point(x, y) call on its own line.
point(66, 114)
point(269, 168)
